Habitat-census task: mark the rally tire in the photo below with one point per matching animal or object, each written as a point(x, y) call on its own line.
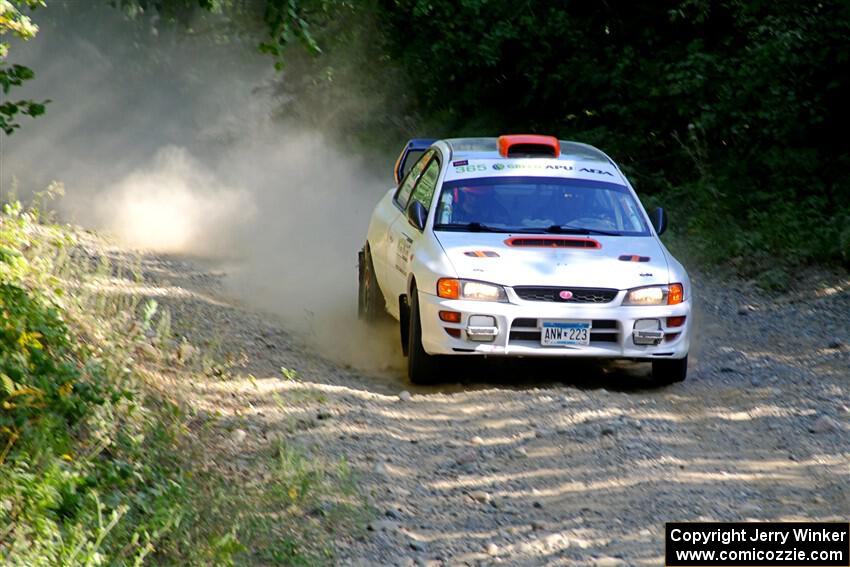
point(422, 368)
point(666, 372)
point(369, 297)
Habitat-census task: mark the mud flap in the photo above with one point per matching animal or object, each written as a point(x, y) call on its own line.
point(404, 323)
point(361, 300)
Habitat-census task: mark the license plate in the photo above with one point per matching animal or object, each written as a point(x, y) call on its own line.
point(565, 333)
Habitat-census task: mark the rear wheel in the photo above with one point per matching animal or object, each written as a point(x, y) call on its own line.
point(666, 372)
point(369, 299)
point(422, 368)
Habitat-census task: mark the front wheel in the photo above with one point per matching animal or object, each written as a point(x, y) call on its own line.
point(422, 368)
point(666, 372)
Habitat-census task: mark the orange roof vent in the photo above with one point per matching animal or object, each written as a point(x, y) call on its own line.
point(529, 145)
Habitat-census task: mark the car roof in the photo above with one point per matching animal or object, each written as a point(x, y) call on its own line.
point(487, 148)
point(583, 161)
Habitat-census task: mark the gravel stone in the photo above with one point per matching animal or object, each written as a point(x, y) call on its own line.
point(382, 525)
point(381, 469)
point(824, 424)
point(480, 496)
point(467, 457)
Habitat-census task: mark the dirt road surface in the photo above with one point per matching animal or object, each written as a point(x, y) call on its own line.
point(535, 463)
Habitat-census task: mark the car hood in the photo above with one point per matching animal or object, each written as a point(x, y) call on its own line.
point(496, 258)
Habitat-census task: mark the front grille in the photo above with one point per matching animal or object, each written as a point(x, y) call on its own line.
point(580, 294)
point(527, 330)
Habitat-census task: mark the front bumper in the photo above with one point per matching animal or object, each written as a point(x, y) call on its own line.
point(518, 326)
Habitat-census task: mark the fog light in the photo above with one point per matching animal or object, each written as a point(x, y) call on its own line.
point(453, 332)
point(675, 321)
point(450, 316)
point(647, 332)
point(482, 328)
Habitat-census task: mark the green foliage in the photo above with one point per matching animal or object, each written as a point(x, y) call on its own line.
point(738, 105)
point(88, 464)
point(286, 25)
point(12, 20)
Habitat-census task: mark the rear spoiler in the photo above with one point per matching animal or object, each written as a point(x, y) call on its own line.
point(416, 146)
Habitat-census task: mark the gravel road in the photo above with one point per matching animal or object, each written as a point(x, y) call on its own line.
point(537, 463)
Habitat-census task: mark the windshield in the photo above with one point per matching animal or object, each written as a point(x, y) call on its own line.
point(539, 204)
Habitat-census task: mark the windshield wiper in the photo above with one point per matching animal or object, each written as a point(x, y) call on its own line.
point(468, 227)
point(554, 229)
point(566, 229)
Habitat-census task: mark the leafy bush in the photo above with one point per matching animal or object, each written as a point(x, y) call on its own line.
point(96, 466)
point(89, 472)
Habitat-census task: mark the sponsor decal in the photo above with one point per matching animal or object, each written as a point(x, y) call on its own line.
point(460, 162)
point(596, 171)
point(550, 167)
point(403, 255)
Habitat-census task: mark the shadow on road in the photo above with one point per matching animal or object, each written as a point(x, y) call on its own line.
point(551, 460)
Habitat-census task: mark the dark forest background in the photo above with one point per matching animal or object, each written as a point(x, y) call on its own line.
point(732, 114)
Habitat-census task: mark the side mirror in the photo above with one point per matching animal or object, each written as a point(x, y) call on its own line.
point(417, 214)
point(659, 220)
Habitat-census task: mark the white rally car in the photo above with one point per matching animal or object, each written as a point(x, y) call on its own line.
point(522, 245)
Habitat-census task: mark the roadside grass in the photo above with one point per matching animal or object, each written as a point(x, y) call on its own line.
point(776, 258)
point(100, 464)
point(297, 487)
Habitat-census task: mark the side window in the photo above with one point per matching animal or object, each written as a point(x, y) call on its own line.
point(424, 190)
point(402, 196)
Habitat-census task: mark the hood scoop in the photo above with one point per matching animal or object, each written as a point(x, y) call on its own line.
point(552, 242)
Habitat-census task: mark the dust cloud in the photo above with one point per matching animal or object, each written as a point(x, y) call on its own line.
point(168, 142)
point(173, 205)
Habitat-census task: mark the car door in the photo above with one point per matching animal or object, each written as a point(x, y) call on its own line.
point(403, 236)
point(381, 241)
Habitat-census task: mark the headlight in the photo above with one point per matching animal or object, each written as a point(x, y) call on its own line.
point(450, 288)
point(656, 295)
